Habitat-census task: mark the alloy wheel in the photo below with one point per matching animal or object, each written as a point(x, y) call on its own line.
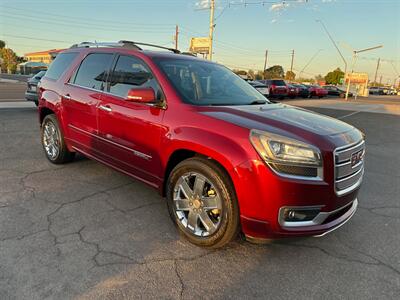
point(51, 140)
point(197, 204)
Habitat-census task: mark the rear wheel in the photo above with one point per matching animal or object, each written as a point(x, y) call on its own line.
point(202, 203)
point(53, 141)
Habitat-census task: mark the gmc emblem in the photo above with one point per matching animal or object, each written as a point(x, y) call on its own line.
point(356, 158)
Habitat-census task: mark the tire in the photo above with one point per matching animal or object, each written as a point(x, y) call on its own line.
point(53, 142)
point(224, 216)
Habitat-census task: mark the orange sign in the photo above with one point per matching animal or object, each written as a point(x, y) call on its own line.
point(356, 78)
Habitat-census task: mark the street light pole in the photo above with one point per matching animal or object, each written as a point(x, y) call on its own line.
point(334, 44)
point(355, 52)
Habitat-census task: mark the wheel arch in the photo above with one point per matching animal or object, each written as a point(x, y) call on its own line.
point(181, 154)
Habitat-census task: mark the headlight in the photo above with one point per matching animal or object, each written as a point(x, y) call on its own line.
point(288, 156)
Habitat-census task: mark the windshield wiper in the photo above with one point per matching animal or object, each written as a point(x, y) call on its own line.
point(258, 102)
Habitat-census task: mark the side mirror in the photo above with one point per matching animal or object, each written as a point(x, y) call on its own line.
point(141, 95)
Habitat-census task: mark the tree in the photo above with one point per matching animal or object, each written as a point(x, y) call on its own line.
point(290, 75)
point(251, 74)
point(274, 72)
point(302, 79)
point(259, 75)
point(334, 77)
point(2, 44)
point(239, 72)
point(9, 63)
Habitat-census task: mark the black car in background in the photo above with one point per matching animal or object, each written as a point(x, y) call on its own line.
point(262, 88)
point(302, 90)
point(31, 92)
point(335, 91)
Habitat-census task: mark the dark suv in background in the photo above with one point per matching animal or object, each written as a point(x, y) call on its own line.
point(31, 91)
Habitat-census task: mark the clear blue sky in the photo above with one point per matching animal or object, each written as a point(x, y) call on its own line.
point(243, 32)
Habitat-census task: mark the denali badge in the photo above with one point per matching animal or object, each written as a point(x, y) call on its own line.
point(356, 158)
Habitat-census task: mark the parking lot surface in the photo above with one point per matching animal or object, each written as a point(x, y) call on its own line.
point(84, 231)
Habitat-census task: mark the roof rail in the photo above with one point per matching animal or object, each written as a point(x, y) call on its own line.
point(125, 44)
point(104, 44)
point(150, 45)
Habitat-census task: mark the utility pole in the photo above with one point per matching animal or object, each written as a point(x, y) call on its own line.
point(376, 71)
point(265, 63)
point(176, 36)
point(291, 65)
point(211, 34)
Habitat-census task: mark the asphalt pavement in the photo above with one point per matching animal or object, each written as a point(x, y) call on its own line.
point(84, 231)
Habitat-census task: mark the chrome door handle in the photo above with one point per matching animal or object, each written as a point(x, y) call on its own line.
point(105, 108)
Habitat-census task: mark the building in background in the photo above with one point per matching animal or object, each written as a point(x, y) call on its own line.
point(42, 56)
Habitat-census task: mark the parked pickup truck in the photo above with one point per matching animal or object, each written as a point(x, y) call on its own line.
point(224, 156)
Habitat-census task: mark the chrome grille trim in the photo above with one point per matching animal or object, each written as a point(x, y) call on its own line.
point(347, 177)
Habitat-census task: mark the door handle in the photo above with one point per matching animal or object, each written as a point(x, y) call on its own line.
point(67, 97)
point(105, 108)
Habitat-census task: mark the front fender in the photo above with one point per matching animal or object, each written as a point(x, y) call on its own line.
point(226, 151)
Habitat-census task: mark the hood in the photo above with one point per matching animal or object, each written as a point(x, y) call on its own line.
point(286, 119)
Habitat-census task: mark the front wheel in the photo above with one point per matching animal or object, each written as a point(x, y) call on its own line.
point(202, 203)
point(53, 141)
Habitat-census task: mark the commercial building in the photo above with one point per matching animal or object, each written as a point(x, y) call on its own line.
point(42, 56)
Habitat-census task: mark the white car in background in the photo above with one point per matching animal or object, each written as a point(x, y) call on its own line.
point(261, 87)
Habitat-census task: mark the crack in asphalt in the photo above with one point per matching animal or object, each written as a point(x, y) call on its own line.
point(380, 262)
point(181, 282)
point(372, 211)
point(377, 262)
point(21, 237)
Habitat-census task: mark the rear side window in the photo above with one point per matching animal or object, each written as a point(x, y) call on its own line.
point(129, 73)
point(93, 70)
point(60, 64)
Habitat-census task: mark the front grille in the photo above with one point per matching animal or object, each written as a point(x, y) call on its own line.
point(349, 167)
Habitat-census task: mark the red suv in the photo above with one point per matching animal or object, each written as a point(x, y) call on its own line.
point(277, 88)
point(225, 158)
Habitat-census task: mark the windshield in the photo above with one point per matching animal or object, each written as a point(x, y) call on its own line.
point(203, 83)
point(279, 82)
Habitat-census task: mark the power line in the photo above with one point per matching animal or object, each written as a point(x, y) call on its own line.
point(86, 20)
point(82, 25)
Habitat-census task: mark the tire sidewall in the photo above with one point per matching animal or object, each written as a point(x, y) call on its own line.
point(52, 119)
point(229, 207)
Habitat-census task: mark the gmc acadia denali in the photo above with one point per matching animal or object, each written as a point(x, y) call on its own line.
point(225, 158)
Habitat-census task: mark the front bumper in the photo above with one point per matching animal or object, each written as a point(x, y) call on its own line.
point(263, 195)
point(31, 96)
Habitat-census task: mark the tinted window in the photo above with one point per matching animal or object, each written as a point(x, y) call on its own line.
point(279, 82)
point(130, 73)
point(93, 70)
point(203, 83)
point(60, 64)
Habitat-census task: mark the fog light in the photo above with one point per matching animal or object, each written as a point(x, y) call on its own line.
point(300, 214)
